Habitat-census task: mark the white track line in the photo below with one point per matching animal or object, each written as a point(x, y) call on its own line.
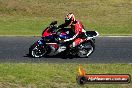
point(114, 36)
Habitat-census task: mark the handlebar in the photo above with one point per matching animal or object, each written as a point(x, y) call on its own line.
point(53, 23)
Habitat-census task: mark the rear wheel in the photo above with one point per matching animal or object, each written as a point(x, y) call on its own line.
point(86, 49)
point(37, 50)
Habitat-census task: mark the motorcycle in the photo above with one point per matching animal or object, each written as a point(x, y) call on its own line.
point(51, 43)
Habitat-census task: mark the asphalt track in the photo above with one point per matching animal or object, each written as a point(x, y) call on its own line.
point(108, 50)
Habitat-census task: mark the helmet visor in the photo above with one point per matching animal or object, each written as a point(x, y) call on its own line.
point(67, 21)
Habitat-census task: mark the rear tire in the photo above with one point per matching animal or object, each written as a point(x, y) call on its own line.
point(86, 49)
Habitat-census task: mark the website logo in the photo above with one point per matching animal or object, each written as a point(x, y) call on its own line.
point(83, 78)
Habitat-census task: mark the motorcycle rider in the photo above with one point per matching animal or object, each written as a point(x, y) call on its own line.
point(77, 29)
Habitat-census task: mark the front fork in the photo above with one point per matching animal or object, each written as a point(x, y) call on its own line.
point(42, 44)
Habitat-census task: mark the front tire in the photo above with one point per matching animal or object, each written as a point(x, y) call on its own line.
point(37, 50)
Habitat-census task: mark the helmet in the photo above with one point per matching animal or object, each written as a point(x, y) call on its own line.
point(69, 19)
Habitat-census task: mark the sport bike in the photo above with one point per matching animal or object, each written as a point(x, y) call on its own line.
point(51, 43)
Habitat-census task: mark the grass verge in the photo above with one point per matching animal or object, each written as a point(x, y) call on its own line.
point(57, 75)
point(29, 17)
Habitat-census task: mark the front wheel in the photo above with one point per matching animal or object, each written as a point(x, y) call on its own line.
point(86, 49)
point(37, 50)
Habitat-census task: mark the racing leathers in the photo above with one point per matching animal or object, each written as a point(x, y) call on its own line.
point(79, 33)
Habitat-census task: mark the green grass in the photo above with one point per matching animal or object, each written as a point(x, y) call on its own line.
point(57, 75)
point(29, 17)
